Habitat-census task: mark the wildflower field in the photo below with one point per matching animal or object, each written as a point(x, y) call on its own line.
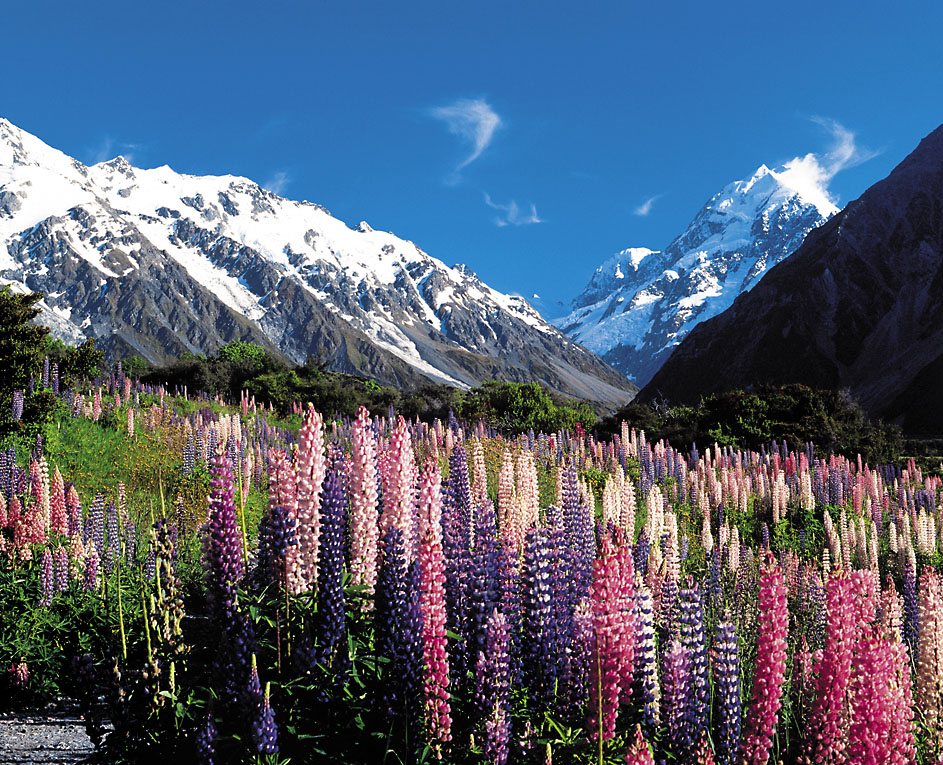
point(223, 586)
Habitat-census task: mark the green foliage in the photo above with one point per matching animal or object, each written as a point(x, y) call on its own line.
point(240, 352)
point(22, 345)
point(76, 363)
point(795, 414)
point(518, 407)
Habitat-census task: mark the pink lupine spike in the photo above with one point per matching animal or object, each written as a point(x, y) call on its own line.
point(364, 516)
point(398, 496)
point(640, 752)
point(773, 617)
point(310, 469)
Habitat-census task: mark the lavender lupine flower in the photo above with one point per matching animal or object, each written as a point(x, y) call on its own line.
point(61, 560)
point(484, 591)
point(727, 686)
point(493, 688)
point(677, 703)
point(222, 545)
point(113, 550)
point(538, 646)
point(45, 377)
point(456, 547)
point(55, 379)
point(911, 611)
point(130, 541)
point(17, 405)
point(331, 617)
point(90, 583)
point(47, 581)
point(640, 553)
point(691, 620)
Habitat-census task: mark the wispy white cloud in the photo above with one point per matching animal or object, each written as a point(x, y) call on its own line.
point(811, 174)
point(109, 148)
point(644, 209)
point(278, 183)
point(512, 214)
point(472, 120)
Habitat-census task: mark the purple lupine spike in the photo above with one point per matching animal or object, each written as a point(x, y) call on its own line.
point(727, 688)
point(646, 660)
point(113, 550)
point(45, 377)
point(911, 628)
point(90, 582)
point(276, 535)
point(130, 541)
point(61, 559)
point(538, 646)
point(493, 688)
point(484, 583)
point(640, 554)
point(331, 624)
point(17, 405)
point(222, 546)
point(397, 634)
point(206, 741)
point(262, 718)
point(691, 620)
point(456, 548)
point(47, 580)
point(676, 706)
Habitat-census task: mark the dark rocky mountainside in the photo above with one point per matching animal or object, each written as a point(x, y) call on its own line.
point(859, 306)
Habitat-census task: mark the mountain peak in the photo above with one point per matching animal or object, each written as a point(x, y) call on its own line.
point(640, 303)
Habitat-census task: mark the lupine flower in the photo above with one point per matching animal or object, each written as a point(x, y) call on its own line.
point(17, 405)
point(691, 621)
point(640, 752)
point(262, 718)
point(398, 496)
point(538, 646)
point(757, 742)
point(727, 688)
point(928, 691)
point(613, 644)
point(364, 516)
point(310, 467)
point(433, 609)
point(222, 545)
point(206, 740)
point(61, 560)
point(826, 730)
point(276, 535)
point(47, 580)
point(484, 586)
point(331, 614)
point(646, 659)
point(677, 702)
point(91, 570)
point(493, 688)
point(283, 492)
point(57, 505)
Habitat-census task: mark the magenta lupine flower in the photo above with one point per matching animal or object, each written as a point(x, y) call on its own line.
point(881, 729)
point(613, 646)
point(310, 467)
point(640, 753)
point(773, 628)
point(432, 602)
point(364, 515)
point(826, 730)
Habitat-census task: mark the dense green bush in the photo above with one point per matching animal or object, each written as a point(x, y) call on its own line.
point(517, 407)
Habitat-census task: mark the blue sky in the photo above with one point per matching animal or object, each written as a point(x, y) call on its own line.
point(530, 140)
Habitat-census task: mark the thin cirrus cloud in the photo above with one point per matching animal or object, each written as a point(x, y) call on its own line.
point(278, 183)
point(644, 209)
point(512, 214)
point(474, 122)
point(108, 148)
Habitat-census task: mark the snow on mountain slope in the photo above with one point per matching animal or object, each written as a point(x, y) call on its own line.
point(231, 259)
point(640, 303)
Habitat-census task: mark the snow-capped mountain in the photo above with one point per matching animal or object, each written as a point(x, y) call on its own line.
point(640, 303)
point(154, 262)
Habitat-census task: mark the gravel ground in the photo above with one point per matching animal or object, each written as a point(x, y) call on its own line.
point(55, 734)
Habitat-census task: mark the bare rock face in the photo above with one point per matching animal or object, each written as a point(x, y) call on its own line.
point(156, 263)
point(859, 306)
